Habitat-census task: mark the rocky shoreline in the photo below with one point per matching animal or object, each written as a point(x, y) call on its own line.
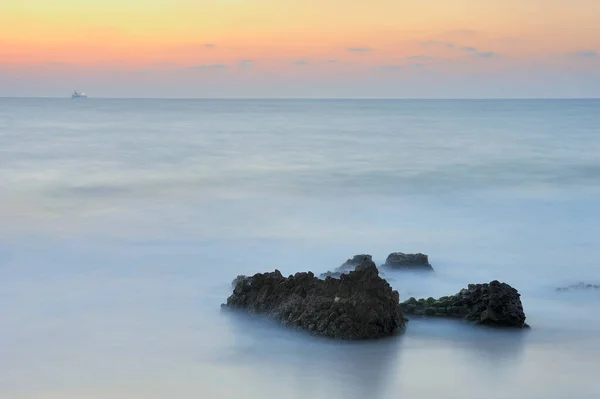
point(354, 302)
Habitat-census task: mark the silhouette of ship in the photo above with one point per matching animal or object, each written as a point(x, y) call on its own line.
point(78, 95)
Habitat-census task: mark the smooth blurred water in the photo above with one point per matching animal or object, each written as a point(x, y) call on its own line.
point(123, 222)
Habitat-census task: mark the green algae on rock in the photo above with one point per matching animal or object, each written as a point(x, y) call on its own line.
point(494, 304)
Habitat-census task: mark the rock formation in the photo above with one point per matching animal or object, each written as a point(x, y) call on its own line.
point(402, 261)
point(236, 280)
point(358, 305)
point(495, 304)
point(348, 266)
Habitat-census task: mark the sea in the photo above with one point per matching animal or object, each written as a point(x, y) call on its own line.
point(123, 223)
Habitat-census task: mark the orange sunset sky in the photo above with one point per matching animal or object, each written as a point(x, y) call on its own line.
point(300, 48)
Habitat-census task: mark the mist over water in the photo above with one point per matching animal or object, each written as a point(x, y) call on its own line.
point(123, 222)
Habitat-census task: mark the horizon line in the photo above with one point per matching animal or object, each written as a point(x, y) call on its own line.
point(304, 98)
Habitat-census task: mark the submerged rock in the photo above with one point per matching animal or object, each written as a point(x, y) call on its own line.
point(579, 287)
point(402, 261)
point(349, 266)
point(358, 305)
point(495, 304)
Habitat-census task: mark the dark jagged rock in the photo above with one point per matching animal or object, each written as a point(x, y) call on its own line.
point(495, 304)
point(357, 260)
point(402, 261)
point(236, 280)
point(349, 266)
point(581, 286)
point(358, 305)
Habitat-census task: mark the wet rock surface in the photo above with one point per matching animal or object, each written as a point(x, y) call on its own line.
point(402, 261)
point(495, 304)
point(349, 266)
point(358, 305)
point(581, 286)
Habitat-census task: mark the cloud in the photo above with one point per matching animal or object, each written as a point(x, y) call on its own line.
point(210, 45)
point(470, 49)
point(486, 54)
point(359, 49)
point(300, 62)
point(419, 58)
point(428, 43)
point(585, 54)
point(450, 62)
point(245, 63)
point(331, 61)
point(390, 67)
point(417, 65)
point(208, 66)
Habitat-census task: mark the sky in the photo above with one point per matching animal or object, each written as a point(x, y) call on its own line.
point(301, 48)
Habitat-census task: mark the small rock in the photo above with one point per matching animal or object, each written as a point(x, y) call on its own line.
point(581, 286)
point(402, 261)
point(348, 266)
point(495, 304)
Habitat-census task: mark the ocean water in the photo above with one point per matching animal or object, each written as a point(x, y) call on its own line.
point(123, 222)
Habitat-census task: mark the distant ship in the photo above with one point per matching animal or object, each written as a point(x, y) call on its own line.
point(78, 95)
